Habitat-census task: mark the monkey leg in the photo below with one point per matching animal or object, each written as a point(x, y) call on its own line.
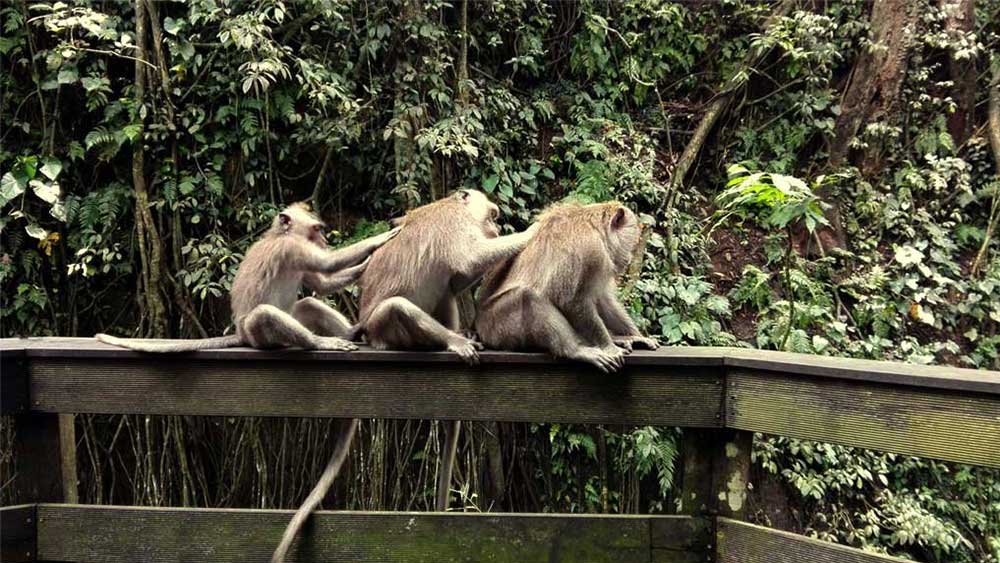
point(586, 320)
point(624, 333)
point(320, 318)
point(267, 326)
point(521, 318)
point(398, 323)
point(451, 430)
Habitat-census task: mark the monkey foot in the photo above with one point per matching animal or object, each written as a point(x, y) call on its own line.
point(467, 349)
point(631, 342)
point(604, 360)
point(334, 343)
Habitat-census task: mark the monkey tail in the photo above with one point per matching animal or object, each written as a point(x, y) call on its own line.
point(162, 346)
point(319, 491)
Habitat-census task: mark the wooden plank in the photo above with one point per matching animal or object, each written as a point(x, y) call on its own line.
point(549, 392)
point(64, 347)
point(932, 377)
point(948, 425)
point(684, 541)
point(739, 542)
point(86, 533)
point(17, 533)
point(13, 381)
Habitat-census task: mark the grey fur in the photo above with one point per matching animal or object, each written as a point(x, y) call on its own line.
point(558, 294)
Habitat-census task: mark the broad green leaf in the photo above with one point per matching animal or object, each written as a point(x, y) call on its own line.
point(58, 210)
point(36, 232)
point(907, 255)
point(171, 26)
point(68, 75)
point(51, 168)
point(9, 188)
point(490, 183)
point(46, 191)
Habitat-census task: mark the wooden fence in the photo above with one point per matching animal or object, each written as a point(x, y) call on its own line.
point(722, 395)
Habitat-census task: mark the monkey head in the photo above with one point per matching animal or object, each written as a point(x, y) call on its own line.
point(483, 211)
point(297, 220)
point(623, 233)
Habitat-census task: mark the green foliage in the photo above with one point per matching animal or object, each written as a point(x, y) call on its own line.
point(366, 109)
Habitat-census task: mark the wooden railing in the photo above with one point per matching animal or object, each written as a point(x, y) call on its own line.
point(722, 395)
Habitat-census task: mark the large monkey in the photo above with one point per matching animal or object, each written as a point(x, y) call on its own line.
point(558, 294)
point(408, 292)
point(408, 301)
point(265, 300)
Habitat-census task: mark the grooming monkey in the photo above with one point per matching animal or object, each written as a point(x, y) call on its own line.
point(558, 294)
point(408, 292)
point(265, 300)
point(408, 301)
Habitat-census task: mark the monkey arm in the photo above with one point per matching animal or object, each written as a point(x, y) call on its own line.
point(361, 250)
point(586, 320)
point(623, 329)
point(493, 250)
point(325, 284)
point(614, 315)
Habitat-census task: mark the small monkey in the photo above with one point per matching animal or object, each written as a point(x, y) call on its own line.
point(265, 300)
point(558, 294)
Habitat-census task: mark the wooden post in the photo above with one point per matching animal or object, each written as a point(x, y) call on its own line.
point(45, 462)
point(44, 443)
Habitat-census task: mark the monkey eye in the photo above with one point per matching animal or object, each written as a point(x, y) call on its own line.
point(318, 228)
point(495, 213)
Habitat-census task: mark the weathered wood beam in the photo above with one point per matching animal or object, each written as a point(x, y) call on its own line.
point(739, 542)
point(90, 533)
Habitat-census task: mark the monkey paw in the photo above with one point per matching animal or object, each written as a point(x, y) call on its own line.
point(604, 360)
point(334, 343)
point(467, 349)
point(625, 344)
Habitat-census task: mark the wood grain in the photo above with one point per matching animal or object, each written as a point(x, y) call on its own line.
point(90, 533)
point(683, 396)
point(947, 425)
point(739, 542)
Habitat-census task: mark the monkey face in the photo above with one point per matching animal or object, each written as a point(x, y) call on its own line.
point(484, 211)
point(297, 220)
point(625, 233)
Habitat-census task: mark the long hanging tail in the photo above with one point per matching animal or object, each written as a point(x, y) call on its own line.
point(164, 346)
point(319, 491)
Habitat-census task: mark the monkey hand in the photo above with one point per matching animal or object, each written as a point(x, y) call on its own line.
point(604, 360)
point(385, 237)
point(334, 343)
point(631, 342)
point(467, 349)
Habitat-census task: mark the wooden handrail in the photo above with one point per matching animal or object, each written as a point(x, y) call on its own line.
point(932, 411)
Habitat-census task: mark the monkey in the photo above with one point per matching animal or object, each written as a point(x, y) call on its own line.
point(264, 298)
point(408, 292)
point(559, 293)
point(408, 301)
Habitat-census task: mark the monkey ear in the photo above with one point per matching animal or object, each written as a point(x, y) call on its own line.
point(618, 219)
point(464, 195)
point(284, 218)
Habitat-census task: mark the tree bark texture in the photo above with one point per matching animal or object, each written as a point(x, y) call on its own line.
point(150, 248)
point(960, 22)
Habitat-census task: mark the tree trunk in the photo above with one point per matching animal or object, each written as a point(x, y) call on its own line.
point(150, 248)
point(993, 128)
point(960, 21)
point(877, 75)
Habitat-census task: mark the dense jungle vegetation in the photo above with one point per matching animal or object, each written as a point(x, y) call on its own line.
point(817, 175)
